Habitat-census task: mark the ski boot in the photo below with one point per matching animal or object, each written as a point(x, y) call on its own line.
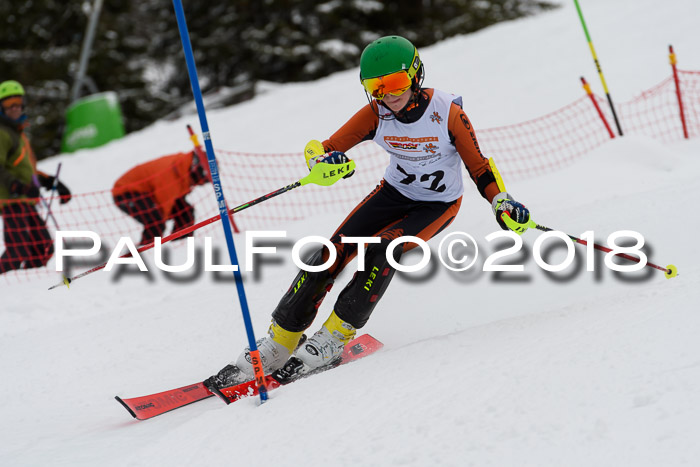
point(275, 349)
point(322, 351)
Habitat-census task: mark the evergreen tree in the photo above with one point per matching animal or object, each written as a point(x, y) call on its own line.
point(137, 51)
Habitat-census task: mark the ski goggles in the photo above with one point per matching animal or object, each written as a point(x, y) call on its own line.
point(14, 101)
point(395, 84)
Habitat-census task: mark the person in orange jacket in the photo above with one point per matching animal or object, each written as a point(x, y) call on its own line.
point(154, 192)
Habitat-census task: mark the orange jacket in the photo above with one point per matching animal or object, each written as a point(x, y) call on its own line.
point(165, 179)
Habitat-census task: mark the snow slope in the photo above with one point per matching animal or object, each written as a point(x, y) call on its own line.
point(478, 369)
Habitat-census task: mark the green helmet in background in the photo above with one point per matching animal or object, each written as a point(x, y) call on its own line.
point(388, 55)
point(10, 88)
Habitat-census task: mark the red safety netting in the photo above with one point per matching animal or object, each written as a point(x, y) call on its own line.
point(523, 150)
point(656, 113)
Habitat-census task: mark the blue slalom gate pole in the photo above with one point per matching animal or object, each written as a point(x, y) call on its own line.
point(220, 199)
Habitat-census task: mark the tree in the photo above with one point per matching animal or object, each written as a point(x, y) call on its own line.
point(137, 50)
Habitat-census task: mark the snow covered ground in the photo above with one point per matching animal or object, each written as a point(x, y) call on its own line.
point(517, 369)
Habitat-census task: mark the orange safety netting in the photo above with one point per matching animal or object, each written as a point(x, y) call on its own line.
point(523, 150)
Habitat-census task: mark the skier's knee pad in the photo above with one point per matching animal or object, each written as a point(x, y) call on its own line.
point(358, 299)
point(297, 308)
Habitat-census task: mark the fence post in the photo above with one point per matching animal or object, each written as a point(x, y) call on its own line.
point(672, 58)
point(587, 87)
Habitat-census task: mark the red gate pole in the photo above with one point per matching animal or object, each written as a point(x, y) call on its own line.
point(672, 58)
point(587, 87)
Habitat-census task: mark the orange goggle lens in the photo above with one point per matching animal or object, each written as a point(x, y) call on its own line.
point(14, 101)
point(394, 84)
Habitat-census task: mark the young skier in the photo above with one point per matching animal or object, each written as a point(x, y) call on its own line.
point(428, 137)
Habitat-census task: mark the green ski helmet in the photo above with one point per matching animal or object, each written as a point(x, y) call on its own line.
point(388, 55)
point(381, 66)
point(10, 88)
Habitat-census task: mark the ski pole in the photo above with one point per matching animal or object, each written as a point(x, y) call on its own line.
point(54, 187)
point(203, 159)
point(598, 67)
point(47, 205)
point(322, 174)
point(35, 181)
point(669, 271)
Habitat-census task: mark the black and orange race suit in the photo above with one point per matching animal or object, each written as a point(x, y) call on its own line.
point(384, 213)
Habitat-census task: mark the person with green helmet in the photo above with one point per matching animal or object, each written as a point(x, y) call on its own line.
point(428, 137)
point(27, 240)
